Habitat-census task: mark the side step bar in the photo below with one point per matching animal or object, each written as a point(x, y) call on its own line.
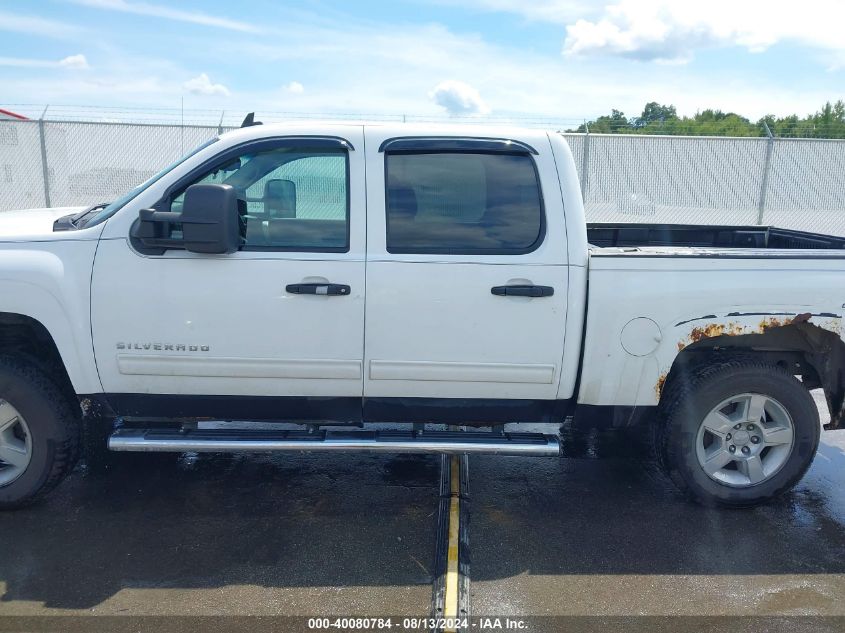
point(260, 441)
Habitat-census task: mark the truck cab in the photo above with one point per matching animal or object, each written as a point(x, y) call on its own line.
point(377, 278)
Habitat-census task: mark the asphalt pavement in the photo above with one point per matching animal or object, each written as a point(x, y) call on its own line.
point(344, 535)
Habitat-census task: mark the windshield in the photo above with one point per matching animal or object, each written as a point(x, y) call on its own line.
point(101, 214)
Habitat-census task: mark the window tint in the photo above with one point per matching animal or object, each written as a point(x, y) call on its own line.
point(462, 203)
point(296, 199)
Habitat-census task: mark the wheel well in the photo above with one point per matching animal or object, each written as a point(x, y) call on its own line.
point(814, 354)
point(23, 336)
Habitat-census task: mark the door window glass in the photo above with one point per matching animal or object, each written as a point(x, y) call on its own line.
point(463, 203)
point(296, 199)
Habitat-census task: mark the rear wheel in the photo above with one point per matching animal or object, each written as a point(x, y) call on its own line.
point(739, 432)
point(39, 433)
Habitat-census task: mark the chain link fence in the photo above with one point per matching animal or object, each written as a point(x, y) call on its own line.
point(791, 183)
point(75, 163)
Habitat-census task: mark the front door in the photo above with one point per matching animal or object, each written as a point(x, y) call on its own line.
point(200, 330)
point(466, 279)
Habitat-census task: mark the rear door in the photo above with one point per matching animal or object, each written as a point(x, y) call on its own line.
point(181, 333)
point(466, 278)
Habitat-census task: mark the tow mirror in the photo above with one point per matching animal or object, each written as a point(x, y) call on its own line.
point(212, 221)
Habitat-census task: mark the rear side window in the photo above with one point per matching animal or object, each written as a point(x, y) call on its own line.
point(463, 203)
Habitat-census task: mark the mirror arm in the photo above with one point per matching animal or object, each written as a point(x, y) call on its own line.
point(162, 217)
point(152, 229)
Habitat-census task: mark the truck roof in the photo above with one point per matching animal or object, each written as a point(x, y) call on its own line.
point(390, 128)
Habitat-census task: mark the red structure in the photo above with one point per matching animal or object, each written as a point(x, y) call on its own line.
point(8, 114)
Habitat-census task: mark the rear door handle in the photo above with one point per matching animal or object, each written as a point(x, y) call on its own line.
point(522, 291)
point(318, 289)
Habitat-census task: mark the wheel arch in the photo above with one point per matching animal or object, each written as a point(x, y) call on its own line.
point(26, 337)
point(805, 344)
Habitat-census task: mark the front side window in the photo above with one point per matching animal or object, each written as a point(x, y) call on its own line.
point(296, 198)
point(462, 203)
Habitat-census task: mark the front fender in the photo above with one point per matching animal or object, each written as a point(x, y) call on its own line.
point(50, 283)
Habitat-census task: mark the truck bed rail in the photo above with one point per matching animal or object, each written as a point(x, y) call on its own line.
point(718, 236)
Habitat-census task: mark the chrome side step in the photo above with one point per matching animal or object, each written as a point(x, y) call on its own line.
point(261, 441)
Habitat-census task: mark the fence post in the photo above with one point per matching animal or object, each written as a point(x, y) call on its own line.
point(767, 167)
point(585, 164)
point(45, 171)
point(220, 124)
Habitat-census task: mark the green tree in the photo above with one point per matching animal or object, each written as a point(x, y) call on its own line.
point(654, 113)
point(616, 123)
point(828, 122)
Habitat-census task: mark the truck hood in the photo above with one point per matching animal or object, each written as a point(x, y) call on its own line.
point(32, 222)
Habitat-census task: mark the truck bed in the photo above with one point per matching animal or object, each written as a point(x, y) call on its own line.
point(718, 236)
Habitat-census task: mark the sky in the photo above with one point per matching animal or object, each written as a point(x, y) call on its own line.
point(566, 60)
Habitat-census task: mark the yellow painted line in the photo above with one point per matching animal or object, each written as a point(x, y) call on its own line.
point(450, 608)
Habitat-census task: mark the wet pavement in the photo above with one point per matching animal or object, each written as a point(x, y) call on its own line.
point(355, 535)
point(246, 535)
point(613, 537)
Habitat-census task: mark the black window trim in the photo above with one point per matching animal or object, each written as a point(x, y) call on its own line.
point(266, 144)
point(476, 145)
point(541, 235)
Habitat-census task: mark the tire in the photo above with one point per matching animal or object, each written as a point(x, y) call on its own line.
point(700, 393)
point(52, 424)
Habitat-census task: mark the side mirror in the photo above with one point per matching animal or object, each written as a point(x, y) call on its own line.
point(212, 221)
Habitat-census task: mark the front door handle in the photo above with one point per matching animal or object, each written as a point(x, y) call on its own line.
point(522, 291)
point(318, 289)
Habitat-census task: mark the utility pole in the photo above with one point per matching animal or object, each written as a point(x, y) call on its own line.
point(45, 170)
point(585, 163)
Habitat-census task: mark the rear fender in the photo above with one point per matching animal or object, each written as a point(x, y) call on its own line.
point(815, 336)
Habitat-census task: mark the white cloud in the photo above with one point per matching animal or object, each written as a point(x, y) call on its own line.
point(670, 31)
point(666, 30)
point(552, 11)
point(73, 61)
point(168, 13)
point(77, 62)
point(21, 62)
point(33, 25)
point(456, 97)
point(295, 87)
point(202, 85)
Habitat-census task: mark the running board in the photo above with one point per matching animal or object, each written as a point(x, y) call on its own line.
point(261, 441)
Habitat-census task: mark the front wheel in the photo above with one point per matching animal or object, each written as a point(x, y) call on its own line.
point(39, 433)
point(738, 433)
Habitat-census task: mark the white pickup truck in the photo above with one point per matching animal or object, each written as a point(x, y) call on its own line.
point(334, 276)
